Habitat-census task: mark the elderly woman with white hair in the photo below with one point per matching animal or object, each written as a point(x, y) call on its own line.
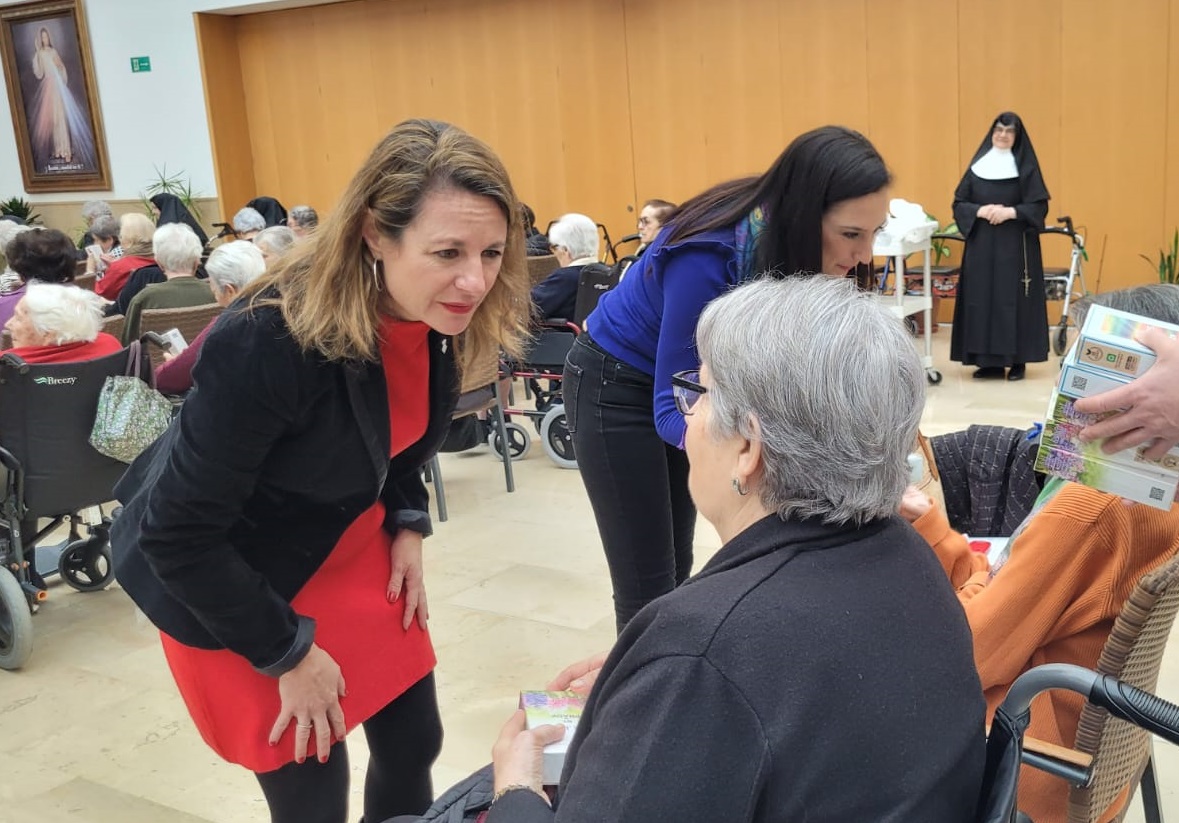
point(231, 267)
point(178, 252)
point(248, 222)
point(819, 666)
point(55, 323)
point(574, 241)
point(92, 210)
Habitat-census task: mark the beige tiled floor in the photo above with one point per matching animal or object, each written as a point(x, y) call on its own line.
point(92, 731)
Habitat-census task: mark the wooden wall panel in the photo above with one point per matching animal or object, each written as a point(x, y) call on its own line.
point(824, 79)
point(705, 105)
point(225, 105)
point(910, 121)
point(1114, 120)
point(596, 105)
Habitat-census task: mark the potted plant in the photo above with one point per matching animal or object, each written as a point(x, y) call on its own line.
point(20, 208)
point(1167, 265)
point(176, 184)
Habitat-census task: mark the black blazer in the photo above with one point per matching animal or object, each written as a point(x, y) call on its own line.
point(830, 669)
point(273, 456)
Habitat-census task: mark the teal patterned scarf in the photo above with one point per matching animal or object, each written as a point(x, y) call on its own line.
point(747, 233)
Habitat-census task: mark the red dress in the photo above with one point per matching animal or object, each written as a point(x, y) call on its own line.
point(234, 707)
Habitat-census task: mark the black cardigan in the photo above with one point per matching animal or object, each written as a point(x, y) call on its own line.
point(274, 455)
point(809, 672)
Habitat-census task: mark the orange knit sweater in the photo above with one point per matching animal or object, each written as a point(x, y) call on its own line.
point(1053, 601)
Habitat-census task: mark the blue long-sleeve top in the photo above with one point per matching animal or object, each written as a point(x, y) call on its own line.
point(649, 320)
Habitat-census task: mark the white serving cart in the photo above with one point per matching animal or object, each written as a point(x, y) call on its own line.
point(897, 247)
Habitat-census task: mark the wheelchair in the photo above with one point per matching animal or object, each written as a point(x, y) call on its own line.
point(542, 368)
point(51, 472)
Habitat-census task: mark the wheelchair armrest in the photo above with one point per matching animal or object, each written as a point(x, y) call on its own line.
point(8, 460)
point(10, 359)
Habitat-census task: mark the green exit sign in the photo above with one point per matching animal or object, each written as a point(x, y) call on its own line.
point(140, 64)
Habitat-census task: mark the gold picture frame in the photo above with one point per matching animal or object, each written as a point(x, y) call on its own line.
point(53, 96)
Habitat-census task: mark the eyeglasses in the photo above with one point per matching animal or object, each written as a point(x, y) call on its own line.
point(554, 246)
point(686, 388)
point(645, 221)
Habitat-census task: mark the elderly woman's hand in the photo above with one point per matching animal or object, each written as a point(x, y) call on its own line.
point(518, 755)
point(580, 676)
point(310, 695)
point(1151, 404)
point(407, 577)
point(914, 504)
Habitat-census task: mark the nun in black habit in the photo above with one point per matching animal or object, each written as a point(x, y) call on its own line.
point(1001, 315)
point(171, 209)
point(272, 211)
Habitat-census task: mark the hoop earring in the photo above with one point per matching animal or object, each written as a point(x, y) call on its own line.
point(377, 275)
point(738, 488)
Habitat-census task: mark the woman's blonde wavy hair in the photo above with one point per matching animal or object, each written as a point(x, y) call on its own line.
point(325, 285)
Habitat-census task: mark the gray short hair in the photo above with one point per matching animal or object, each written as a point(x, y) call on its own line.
point(305, 217)
point(67, 313)
point(275, 239)
point(1158, 301)
point(93, 209)
point(248, 219)
point(832, 382)
point(176, 248)
point(105, 227)
point(234, 264)
point(577, 233)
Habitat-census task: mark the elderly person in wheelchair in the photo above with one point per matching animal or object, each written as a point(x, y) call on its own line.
point(818, 667)
point(1054, 592)
point(56, 323)
point(574, 241)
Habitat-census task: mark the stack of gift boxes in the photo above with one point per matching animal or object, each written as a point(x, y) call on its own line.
point(1106, 356)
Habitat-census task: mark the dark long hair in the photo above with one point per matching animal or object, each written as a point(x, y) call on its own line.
point(818, 169)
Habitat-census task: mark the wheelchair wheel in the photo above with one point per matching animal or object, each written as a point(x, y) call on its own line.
point(1060, 341)
point(555, 438)
point(16, 623)
point(86, 564)
point(519, 442)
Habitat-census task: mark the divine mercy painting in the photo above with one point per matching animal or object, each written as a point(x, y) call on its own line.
point(51, 92)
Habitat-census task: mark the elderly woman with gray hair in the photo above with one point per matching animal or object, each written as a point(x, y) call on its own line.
point(273, 241)
point(302, 220)
point(818, 667)
point(231, 267)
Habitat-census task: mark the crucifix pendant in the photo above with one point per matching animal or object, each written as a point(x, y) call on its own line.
point(1027, 283)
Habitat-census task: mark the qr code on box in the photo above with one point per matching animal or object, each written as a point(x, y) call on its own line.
point(1079, 383)
point(1157, 494)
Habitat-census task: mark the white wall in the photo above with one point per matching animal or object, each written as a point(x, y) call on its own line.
point(151, 118)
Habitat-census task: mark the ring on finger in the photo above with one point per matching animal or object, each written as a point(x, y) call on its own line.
point(304, 726)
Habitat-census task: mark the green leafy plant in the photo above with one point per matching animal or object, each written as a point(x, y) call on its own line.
point(177, 184)
point(938, 245)
point(1167, 265)
point(20, 208)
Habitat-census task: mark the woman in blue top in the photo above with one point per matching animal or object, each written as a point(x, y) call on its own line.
point(816, 209)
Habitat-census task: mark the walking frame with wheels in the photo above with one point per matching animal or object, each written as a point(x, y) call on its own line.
point(1061, 284)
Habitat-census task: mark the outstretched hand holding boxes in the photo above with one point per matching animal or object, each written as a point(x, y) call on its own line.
point(1105, 357)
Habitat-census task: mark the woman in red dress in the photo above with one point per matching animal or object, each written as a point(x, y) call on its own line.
point(274, 533)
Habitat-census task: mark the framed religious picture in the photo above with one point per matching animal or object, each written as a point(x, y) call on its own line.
point(51, 90)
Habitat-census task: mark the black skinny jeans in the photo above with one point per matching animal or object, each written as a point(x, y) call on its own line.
point(404, 739)
point(637, 484)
